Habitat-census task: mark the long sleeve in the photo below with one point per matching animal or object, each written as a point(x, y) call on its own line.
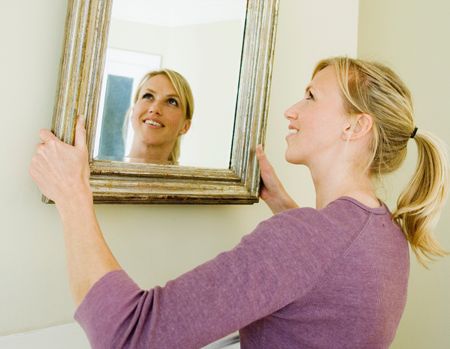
point(279, 262)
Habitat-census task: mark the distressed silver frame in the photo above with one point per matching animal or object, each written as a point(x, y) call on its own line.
point(79, 86)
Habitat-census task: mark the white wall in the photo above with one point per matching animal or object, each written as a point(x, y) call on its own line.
point(210, 59)
point(413, 38)
point(150, 244)
point(135, 37)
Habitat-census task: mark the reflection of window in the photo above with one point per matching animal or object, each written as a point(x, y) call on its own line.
point(116, 104)
point(123, 72)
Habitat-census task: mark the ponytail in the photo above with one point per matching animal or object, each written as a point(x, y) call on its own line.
point(374, 89)
point(420, 204)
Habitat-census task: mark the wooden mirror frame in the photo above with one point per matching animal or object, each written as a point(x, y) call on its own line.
point(79, 86)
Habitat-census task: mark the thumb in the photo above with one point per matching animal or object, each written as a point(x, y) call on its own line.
point(260, 152)
point(46, 135)
point(264, 163)
point(80, 132)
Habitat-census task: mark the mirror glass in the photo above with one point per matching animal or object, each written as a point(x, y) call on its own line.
point(201, 40)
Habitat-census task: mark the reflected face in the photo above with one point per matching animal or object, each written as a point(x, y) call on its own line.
point(158, 118)
point(317, 121)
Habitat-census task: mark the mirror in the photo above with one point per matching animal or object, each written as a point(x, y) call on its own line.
point(200, 39)
point(222, 49)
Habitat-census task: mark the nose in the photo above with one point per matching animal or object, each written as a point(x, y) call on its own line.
point(291, 113)
point(155, 107)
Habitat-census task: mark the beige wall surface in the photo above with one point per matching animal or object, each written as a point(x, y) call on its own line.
point(153, 243)
point(154, 247)
point(413, 38)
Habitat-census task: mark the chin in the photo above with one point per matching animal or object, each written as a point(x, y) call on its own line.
point(293, 158)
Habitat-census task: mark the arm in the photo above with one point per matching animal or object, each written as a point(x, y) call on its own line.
point(269, 269)
point(61, 172)
point(235, 289)
point(272, 191)
point(88, 256)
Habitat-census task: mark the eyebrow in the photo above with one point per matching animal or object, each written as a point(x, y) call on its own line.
point(154, 92)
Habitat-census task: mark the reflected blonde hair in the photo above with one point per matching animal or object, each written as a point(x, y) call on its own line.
point(183, 90)
point(374, 89)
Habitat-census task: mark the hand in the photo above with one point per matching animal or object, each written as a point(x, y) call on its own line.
point(60, 170)
point(272, 191)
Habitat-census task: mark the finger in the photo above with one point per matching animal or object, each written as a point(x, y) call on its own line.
point(40, 148)
point(38, 160)
point(260, 155)
point(259, 150)
point(80, 132)
point(264, 163)
point(263, 193)
point(36, 169)
point(46, 135)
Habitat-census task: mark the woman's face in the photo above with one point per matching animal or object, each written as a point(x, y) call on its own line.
point(317, 121)
point(158, 118)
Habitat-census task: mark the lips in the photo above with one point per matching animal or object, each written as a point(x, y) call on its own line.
point(293, 130)
point(153, 123)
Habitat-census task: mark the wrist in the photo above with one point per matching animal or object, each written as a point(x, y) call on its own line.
point(290, 204)
point(75, 200)
point(283, 204)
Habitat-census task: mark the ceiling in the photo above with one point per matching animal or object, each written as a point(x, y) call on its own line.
point(174, 13)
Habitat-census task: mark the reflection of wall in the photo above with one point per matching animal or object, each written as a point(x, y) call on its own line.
point(412, 37)
point(138, 37)
point(208, 56)
point(213, 71)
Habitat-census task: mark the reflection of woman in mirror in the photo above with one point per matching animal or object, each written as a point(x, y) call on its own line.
point(333, 276)
point(161, 113)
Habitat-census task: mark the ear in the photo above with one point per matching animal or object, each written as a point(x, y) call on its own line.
point(186, 127)
point(358, 127)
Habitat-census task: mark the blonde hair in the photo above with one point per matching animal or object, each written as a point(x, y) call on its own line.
point(183, 90)
point(374, 89)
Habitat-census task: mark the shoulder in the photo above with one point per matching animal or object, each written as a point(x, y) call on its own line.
point(330, 230)
point(340, 215)
point(305, 241)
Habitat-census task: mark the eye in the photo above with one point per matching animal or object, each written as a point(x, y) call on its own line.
point(147, 96)
point(309, 95)
point(173, 101)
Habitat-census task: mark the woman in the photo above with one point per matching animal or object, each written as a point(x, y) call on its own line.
point(162, 111)
point(330, 277)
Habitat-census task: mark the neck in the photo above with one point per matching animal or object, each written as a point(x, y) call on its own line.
point(150, 153)
point(332, 183)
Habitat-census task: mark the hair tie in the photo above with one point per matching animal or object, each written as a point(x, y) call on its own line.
point(413, 134)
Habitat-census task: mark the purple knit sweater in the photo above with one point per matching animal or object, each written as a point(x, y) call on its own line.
point(305, 278)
